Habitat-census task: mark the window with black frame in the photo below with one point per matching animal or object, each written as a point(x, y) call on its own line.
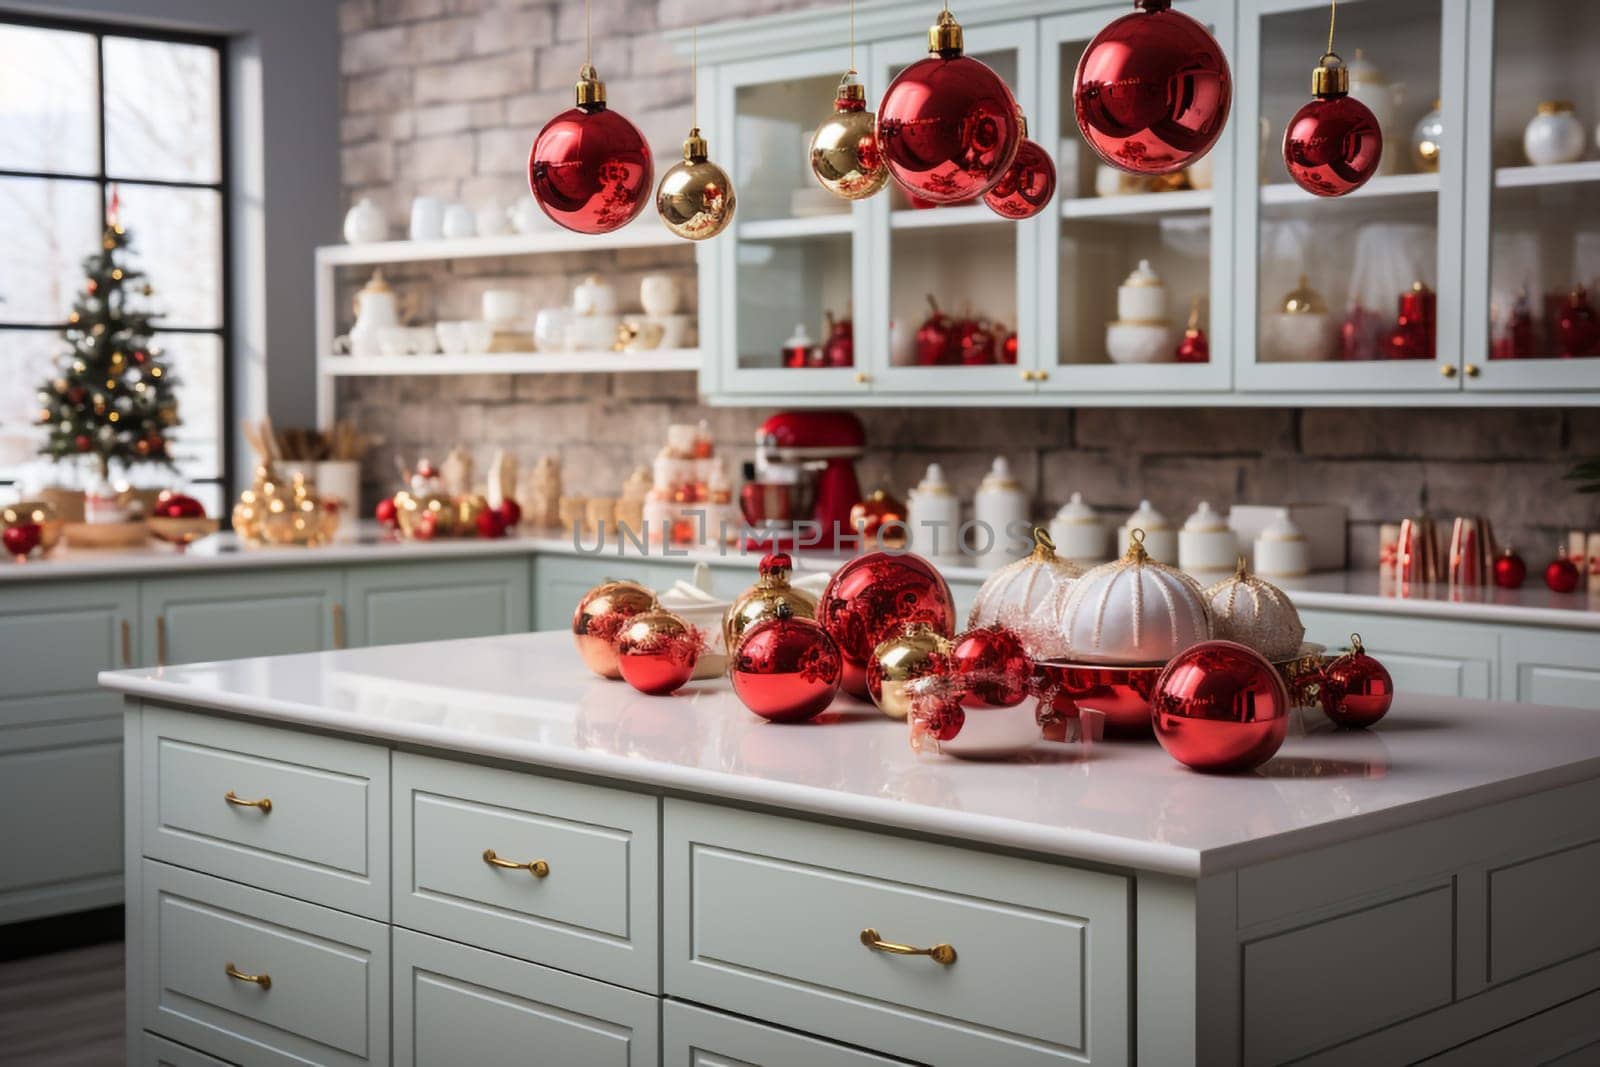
point(88, 113)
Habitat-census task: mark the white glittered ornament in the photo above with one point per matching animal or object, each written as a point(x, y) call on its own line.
point(1029, 597)
point(1134, 611)
point(1255, 613)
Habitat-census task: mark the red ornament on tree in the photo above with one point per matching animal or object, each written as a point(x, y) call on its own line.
point(947, 126)
point(657, 652)
point(81, 442)
point(1152, 91)
point(1509, 570)
point(590, 169)
point(1220, 707)
point(21, 539)
point(991, 667)
point(1028, 184)
point(1355, 690)
point(1562, 575)
point(1333, 144)
point(786, 668)
point(871, 597)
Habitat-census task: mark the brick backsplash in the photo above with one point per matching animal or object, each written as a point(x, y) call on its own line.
point(442, 97)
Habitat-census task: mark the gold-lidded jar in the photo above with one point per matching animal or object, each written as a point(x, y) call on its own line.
point(761, 600)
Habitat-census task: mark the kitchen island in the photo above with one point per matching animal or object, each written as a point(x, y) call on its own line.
point(447, 853)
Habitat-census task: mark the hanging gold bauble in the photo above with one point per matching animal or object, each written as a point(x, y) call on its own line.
point(695, 197)
point(844, 150)
point(915, 652)
point(762, 600)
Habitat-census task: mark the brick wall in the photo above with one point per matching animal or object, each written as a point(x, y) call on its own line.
point(443, 97)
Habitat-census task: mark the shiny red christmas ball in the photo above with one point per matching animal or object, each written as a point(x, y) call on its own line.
point(1332, 145)
point(1152, 91)
point(1194, 348)
point(490, 524)
point(510, 513)
point(786, 669)
point(657, 652)
point(1220, 707)
point(1561, 576)
point(21, 539)
point(1509, 570)
point(591, 170)
point(939, 718)
point(171, 505)
point(1026, 186)
point(991, 667)
point(387, 514)
point(947, 125)
point(870, 597)
point(81, 442)
point(1355, 690)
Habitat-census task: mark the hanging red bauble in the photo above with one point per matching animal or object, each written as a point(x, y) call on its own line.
point(1509, 570)
point(21, 539)
point(1152, 91)
point(599, 619)
point(871, 597)
point(590, 169)
point(81, 442)
point(1562, 575)
point(1028, 184)
point(1333, 144)
point(657, 651)
point(1220, 707)
point(786, 668)
point(991, 666)
point(947, 126)
point(1355, 690)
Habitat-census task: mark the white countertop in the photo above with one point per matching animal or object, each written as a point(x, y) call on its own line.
point(527, 698)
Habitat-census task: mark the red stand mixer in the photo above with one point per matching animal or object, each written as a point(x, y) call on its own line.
point(800, 490)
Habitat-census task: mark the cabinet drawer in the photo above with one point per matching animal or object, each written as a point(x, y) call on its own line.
point(328, 999)
point(159, 1052)
point(460, 1005)
point(436, 601)
point(61, 827)
point(696, 1037)
point(765, 917)
point(1388, 962)
point(325, 836)
point(594, 911)
point(1542, 911)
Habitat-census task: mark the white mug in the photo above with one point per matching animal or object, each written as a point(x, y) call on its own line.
point(502, 305)
point(675, 330)
point(493, 220)
point(458, 221)
point(427, 218)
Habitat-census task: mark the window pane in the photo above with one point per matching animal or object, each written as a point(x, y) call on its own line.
point(175, 237)
point(162, 110)
point(47, 227)
point(196, 362)
point(48, 103)
point(26, 361)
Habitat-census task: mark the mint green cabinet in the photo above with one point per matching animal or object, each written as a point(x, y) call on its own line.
point(559, 582)
point(397, 603)
point(1540, 666)
point(268, 612)
point(1458, 659)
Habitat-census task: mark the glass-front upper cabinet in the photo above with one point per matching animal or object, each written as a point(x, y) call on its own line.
point(1533, 314)
point(1129, 264)
point(1359, 292)
point(783, 286)
point(951, 309)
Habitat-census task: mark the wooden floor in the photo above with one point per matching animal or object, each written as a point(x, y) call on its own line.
point(63, 1009)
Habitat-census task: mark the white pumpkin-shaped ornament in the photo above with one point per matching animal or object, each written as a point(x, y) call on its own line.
point(1029, 597)
point(1257, 614)
point(1134, 611)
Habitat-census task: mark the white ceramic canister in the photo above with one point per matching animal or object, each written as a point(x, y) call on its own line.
point(1142, 297)
point(933, 518)
point(659, 295)
point(1160, 536)
point(1206, 545)
point(1302, 329)
point(1001, 505)
point(1554, 135)
point(427, 218)
point(1281, 550)
point(594, 297)
point(365, 222)
point(458, 221)
point(1079, 533)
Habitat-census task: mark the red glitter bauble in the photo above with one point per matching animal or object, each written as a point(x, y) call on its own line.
point(1332, 145)
point(21, 539)
point(600, 618)
point(657, 651)
point(1509, 570)
point(1026, 186)
point(991, 667)
point(490, 524)
point(786, 668)
point(947, 125)
point(590, 170)
point(870, 597)
point(1152, 91)
point(1220, 707)
point(1355, 690)
point(1561, 576)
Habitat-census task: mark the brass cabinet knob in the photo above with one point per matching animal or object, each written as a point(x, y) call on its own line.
point(862, 377)
point(1447, 369)
point(1027, 375)
point(1041, 375)
point(1472, 370)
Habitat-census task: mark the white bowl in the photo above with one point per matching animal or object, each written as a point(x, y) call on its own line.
point(452, 337)
point(478, 334)
point(395, 341)
point(1139, 342)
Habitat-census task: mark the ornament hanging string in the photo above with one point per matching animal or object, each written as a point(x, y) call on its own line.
point(852, 36)
point(694, 78)
point(1333, 11)
point(588, 37)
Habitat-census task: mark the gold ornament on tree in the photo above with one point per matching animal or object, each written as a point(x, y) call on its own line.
point(844, 150)
point(695, 198)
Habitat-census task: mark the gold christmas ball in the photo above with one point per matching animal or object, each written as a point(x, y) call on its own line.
point(600, 618)
point(695, 198)
point(468, 508)
point(844, 150)
point(915, 652)
point(37, 512)
point(762, 600)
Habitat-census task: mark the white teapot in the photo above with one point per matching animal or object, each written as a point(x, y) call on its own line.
point(377, 308)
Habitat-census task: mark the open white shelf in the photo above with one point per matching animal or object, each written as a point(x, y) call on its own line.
point(936, 217)
point(1383, 185)
point(1558, 174)
point(589, 362)
point(796, 229)
point(647, 232)
point(1181, 202)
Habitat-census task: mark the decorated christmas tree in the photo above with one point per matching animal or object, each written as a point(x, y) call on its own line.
point(112, 396)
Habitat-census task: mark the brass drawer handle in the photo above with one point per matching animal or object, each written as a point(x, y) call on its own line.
point(941, 954)
point(265, 803)
point(262, 980)
point(537, 868)
point(161, 640)
point(338, 626)
point(127, 644)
